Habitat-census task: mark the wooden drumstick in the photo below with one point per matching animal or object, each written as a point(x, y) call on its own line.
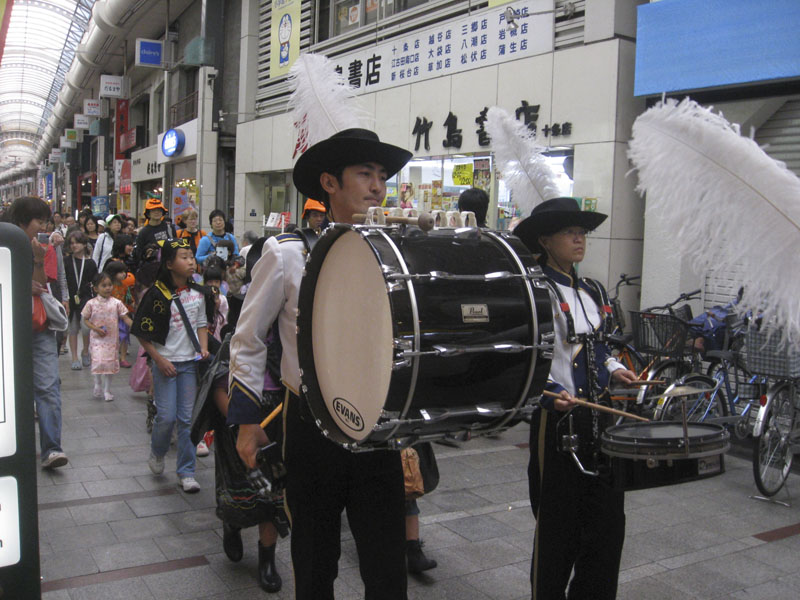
point(424, 221)
point(600, 407)
point(272, 415)
point(648, 382)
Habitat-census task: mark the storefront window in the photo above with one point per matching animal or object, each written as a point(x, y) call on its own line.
point(342, 16)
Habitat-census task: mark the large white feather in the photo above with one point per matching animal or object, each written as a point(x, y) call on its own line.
point(322, 100)
point(525, 171)
point(729, 205)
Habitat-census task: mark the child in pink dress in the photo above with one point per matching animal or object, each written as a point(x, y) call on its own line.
point(102, 314)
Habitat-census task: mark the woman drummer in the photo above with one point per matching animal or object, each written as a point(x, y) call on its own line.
point(580, 518)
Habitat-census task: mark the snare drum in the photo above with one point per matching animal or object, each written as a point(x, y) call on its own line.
point(405, 335)
point(647, 455)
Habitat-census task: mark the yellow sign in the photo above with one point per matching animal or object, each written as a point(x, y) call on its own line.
point(462, 174)
point(493, 3)
point(284, 36)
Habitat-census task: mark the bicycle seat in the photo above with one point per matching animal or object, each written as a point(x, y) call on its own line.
point(728, 355)
point(625, 338)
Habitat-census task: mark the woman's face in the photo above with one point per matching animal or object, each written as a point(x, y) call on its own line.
point(115, 226)
point(128, 249)
point(77, 247)
point(90, 226)
point(218, 225)
point(565, 247)
point(191, 221)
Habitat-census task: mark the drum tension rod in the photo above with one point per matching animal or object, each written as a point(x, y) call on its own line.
point(443, 275)
point(502, 347)
point(569, 443)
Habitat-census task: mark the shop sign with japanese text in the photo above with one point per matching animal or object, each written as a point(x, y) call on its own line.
point(478, 40)
point(113, 86)
point(92, 108)
point(81, 121)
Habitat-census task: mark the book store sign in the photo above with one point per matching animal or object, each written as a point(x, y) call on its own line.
point(481, 39)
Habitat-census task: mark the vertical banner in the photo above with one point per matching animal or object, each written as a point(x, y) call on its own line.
point(5, 19)
point(284, 36)
point(120, 127)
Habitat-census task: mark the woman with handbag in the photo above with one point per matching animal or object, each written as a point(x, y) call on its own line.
point(30, 214)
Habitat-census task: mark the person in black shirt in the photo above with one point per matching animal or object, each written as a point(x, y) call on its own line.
point(157, 229)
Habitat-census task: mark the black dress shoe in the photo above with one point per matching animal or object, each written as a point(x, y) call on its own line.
point(232, 542)
point(268, 577)
point(417, 561)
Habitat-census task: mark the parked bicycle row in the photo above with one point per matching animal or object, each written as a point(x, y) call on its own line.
point(719, 368)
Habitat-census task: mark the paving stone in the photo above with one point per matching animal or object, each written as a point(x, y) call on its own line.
point(502, 583)
point(195, 520)
point(105, 512)
point(58, 565)
point(143, 528)
point(127, 554)
point(772, 590)
point(124, 589)
point(449, 589)
point(112, 487)
point(77, 475)
point(82, 536)
point(96, 459)
point(189, 544)
point(185, 584)
point(55, 518)
point(61, 493)
point(479, 528)
point(158, 505)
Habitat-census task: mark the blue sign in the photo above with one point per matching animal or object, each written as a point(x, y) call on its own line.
point(172, 143)
point(149, 53)
point(48, 185)
point(699, 44)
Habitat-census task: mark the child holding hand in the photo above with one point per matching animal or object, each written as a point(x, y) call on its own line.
point(101, 315)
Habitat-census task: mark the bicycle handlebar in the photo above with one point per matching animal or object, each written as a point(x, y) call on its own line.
point(683, 297)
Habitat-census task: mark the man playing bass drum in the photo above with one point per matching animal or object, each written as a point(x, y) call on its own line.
point(348, 173)
point(580, 518)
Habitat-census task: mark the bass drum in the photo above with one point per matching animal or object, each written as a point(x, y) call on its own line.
point(405, 335)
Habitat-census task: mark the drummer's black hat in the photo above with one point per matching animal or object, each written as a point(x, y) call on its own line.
point(551, 216)
point(347, 147)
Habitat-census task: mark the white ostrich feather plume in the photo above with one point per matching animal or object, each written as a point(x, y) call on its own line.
point(322, 100)
point(525, 171)
point(729, 205)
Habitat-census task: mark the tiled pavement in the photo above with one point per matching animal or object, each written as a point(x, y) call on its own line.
point(110, 529)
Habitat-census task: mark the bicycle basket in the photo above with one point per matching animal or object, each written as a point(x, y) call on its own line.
point(683, 312)
point(658, 333)
point(766, 355)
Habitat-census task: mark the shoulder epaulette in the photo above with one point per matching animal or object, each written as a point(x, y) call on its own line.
point(288, 237)
point(163, 289)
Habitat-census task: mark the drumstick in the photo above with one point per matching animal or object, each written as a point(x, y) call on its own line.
point(272, 415)
point(648, 382)
point(424, 221)
point(600, 407)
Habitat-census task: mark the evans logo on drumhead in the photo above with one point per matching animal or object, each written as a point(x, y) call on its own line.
point(709, 465)
point(348, 414)
point(475, 313)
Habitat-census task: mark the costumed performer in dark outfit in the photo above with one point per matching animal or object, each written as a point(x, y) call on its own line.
point(348, 173)
point(580, 519)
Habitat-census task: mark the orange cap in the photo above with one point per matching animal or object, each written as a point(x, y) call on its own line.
point(312, 204)
point(154, 203)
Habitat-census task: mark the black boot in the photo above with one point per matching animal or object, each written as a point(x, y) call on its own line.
point(417, 561)
point(232, 542)
point(268, 576)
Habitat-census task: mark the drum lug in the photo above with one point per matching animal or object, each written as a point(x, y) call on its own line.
point(390, 414)
point(401, 364)
point(395, 286)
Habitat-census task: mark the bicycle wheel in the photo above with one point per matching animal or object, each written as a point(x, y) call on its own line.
point(720, 372)
point(699, 407)
point(772, 455)
point(628, 357)
point(669, 371)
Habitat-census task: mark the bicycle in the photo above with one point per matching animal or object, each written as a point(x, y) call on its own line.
point(618, 342)
point(776, 433)
point(663, 336)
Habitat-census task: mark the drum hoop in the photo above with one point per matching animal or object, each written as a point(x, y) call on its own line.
point(714, 441)
point(412, 299)
point(532, 304)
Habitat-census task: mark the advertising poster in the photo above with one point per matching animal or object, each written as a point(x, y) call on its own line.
point(181, 202)
point(482, 175)
point(285, 36)
point(100, 206)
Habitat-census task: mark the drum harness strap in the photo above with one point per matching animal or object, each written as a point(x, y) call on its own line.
point(597, 292)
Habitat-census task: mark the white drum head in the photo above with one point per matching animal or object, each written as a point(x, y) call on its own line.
point(352, 335)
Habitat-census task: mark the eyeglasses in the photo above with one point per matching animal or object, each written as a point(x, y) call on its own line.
point(574, 232)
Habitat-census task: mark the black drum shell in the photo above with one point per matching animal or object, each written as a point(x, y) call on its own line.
point(454, 384)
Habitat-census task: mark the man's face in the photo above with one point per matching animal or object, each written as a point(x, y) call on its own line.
point(57, 219)
point(69, 221)
point(362, 187)
point(315, 219)
point(155, 216)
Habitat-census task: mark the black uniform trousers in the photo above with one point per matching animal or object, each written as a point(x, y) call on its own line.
point(324, 479)
point(580, 520)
